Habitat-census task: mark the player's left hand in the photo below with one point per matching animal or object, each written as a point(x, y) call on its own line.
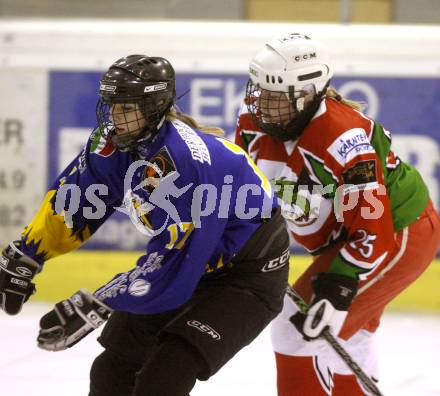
point(332, 297)
point(71, 320)
point(16, 274)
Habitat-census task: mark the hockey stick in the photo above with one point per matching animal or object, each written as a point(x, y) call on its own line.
point(337, 347)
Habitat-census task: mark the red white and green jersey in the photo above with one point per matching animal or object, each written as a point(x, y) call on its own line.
point(339, 183)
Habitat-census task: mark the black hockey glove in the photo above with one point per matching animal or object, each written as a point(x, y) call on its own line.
point(71, 320)
point(332, 296)
point(16, 273)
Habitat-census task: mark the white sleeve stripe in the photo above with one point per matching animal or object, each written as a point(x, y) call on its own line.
point(362, 264)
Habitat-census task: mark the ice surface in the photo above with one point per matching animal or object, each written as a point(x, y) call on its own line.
point(409, 346)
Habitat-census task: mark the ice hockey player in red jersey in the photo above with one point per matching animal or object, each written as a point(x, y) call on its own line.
point(347, 198)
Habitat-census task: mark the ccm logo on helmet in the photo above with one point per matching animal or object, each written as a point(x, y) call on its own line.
point(299, 58)
point(277, 263)
point(204, 329)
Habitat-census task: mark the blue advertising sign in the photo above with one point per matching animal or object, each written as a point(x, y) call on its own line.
point(408, 107)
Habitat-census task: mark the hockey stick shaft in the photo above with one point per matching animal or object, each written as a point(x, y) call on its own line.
point(338, 348)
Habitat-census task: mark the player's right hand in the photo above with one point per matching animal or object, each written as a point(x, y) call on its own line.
point(16, 273)
point(332, 297)
point(71, 320)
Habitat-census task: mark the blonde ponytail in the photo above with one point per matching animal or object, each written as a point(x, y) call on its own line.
point(187, 119)
point(334, 94)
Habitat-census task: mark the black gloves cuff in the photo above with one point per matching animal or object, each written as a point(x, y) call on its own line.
point(337, 288)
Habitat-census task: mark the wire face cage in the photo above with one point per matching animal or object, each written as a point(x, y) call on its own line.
point(269, 107)
point(279, 113)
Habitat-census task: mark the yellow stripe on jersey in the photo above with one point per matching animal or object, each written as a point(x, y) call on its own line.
point(265, 184)
point(50, 234)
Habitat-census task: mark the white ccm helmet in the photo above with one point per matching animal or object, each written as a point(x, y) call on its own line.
point(296, 65)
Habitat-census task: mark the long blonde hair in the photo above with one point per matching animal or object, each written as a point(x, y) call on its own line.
point(187, 119)
point(334, 94)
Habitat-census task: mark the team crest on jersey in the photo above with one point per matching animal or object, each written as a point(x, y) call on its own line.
point(305, 202)
point(102, 143)
point(296, 199)
point(160, 166)
point(363, 172)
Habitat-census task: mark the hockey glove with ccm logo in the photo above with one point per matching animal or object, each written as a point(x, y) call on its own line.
point(332, 297)
point(16, 273)
point(71, 320)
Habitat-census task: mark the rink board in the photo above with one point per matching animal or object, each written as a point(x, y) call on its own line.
point(64, 275)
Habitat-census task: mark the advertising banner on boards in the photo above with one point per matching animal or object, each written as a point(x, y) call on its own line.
point(408, 107)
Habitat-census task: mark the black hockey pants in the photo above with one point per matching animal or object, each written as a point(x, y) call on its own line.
point(164, 354)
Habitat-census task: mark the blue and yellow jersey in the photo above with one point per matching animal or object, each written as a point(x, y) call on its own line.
point(197, 199)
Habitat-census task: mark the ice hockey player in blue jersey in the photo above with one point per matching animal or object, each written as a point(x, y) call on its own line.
point(215, 267)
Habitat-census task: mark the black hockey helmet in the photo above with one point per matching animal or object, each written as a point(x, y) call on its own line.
point(147, 81)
